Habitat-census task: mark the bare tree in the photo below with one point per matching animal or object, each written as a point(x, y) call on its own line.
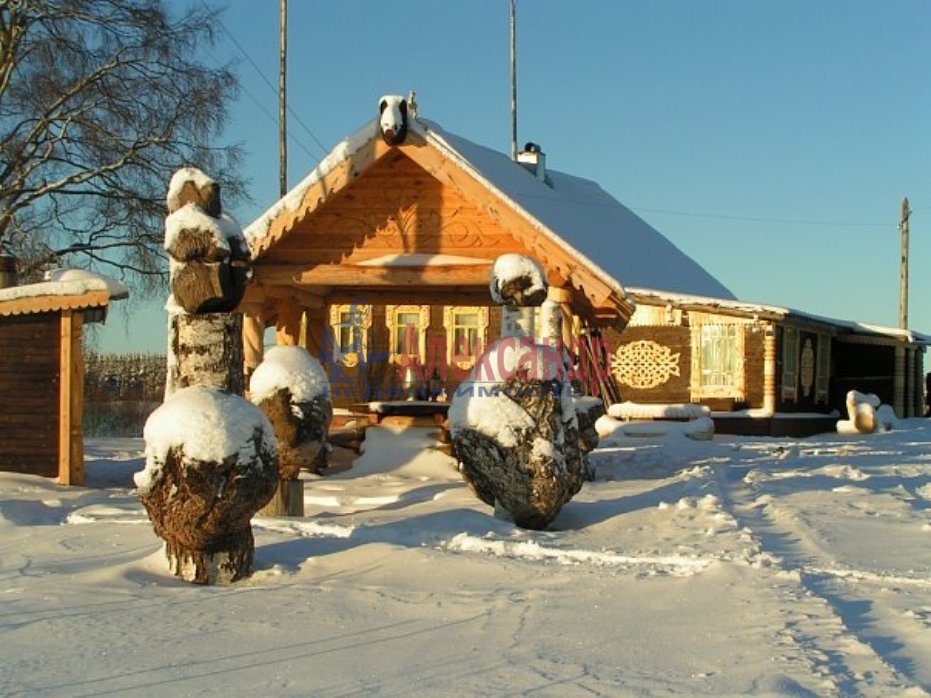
point(100, 102)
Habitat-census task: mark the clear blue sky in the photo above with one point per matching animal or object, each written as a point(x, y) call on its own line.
point(772, 141)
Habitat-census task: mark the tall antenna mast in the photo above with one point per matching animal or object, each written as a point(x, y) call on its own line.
point(903, 267)
point(513, 32)
point(282, 102)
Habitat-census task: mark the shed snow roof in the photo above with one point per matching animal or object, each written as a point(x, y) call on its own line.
point(67, 290)
point(574, 212)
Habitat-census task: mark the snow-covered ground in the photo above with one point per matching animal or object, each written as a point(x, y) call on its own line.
point(761, 566)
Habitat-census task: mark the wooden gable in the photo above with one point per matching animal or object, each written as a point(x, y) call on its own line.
point(393, 208)
point(409, 216)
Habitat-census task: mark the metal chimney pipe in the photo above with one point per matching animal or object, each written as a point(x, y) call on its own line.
point(7, 270)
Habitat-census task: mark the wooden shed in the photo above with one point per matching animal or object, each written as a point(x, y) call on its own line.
point(381, 257)
point(42, 372)
point(762, 369)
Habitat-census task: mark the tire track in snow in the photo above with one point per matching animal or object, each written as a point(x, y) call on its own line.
point(836, 637)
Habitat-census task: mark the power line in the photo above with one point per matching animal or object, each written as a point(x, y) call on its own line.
point(265, 78)
point(761, 219)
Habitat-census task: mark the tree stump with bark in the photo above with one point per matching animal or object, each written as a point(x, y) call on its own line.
point(209, 255)
point(531, 468)
point(513, 423)
point(211, 463)
point(211, 455)
point(292, 389)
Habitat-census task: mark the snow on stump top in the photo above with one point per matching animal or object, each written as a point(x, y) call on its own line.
point(517, 280)
point(211, 463)
point(209, 254)
point(292, 368)
point(291, 388)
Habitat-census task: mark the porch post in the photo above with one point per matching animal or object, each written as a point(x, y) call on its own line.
point(910, 382)
point(898, 381)
point(288, 326)
point(563, 296)
point(253, 338)
point(315, 330)
point(769, 369)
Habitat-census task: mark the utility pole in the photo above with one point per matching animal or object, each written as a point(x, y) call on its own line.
point(903, 267)
point(513, 32)
point(282, 102)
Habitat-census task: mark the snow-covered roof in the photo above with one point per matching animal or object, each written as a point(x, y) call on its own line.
point(66, 289)
point(118, 290)
point(765, 311)
point(583, 214)
point(575, 213)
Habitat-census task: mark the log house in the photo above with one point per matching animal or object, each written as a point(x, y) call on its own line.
point(380, 259)
point(762, 369)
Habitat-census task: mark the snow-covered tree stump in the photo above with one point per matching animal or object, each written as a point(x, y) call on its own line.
point(211, 455)
point(513, 423)
point(291, 388)
point(211, 463)
point(517, 281)
point(866, 415)
point(519, 450)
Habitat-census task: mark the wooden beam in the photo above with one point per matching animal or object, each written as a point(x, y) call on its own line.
point(253, 338)
point(302, 297)
point(410, 296)
point(70, 393)
point(77, 399)
point(337, 275)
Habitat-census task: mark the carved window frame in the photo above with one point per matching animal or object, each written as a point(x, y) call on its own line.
point(449, 323)
point(352, 355)
point(391, 320)
point(791, 357)
point(823, 370)
point(733, 338)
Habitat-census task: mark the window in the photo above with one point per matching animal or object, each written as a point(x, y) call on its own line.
point(350, 324)
point(466, 334)
point(407, 332)
point(790, 363)
point(717, 361)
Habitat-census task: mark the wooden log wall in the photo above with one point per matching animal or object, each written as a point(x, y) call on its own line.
point(29, 385)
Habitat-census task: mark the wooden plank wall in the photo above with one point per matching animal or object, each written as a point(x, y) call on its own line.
point(29, 393)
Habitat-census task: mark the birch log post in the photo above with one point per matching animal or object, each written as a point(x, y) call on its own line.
point(211, 456)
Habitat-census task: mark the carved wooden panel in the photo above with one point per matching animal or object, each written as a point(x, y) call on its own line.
point(395, 206)
point(644, 364)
